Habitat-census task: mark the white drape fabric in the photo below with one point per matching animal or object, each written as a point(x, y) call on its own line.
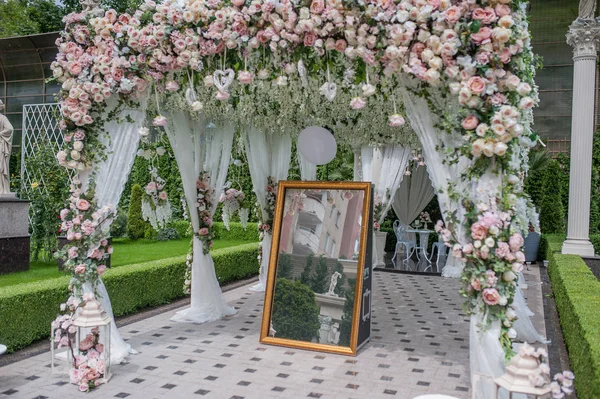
point(413, 195)
point(308, 170)
point(268, 155)
point(384, 167)
point(121, 139)
point(200, 146)
point(524, 327)
point(486, 353)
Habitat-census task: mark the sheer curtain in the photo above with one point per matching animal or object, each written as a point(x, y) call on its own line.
point(267, 156)
point(308, 170)
point(121, 139)
point(486, 354)
point(201, 146)
point(523, 325)
point(413, 195)
point(384, 167)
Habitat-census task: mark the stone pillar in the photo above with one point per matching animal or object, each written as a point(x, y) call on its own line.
point(583, 36)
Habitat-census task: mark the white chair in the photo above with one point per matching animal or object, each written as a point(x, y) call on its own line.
point(435, 396)
point(402, 241)
point(442, 252)
point(2, 349)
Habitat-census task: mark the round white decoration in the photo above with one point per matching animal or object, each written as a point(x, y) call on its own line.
point(317, 145)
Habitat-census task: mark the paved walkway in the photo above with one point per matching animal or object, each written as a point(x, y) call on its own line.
point(419, 345)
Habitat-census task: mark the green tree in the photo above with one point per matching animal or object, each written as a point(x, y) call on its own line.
point(284, 266)
point(14, 19)
point(305, 277)
point(295, 312)
point(346, 324)
point(551, 209)
point(319, 281)
point(136, 226)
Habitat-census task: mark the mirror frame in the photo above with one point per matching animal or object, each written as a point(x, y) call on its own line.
point(274, 255)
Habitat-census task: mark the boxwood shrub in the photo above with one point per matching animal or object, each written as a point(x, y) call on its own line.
point(236, 232)
point(26, 310)
point(577, 295)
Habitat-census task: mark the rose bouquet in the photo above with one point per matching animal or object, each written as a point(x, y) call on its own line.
point(205, 203)
point(233, 201)
point(156, 207)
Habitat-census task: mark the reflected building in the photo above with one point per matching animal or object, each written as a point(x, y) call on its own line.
point(322, 223)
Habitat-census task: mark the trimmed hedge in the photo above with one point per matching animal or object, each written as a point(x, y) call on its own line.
point(26, 310)
point(236, 232)
point(577, 295)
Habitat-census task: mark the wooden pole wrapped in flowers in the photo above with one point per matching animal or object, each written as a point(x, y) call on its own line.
point(290, 64)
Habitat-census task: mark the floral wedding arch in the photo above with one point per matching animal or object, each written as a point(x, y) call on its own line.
point(461, 71)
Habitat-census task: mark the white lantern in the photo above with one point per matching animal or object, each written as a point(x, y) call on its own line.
point(516, 379)
point(317, 145)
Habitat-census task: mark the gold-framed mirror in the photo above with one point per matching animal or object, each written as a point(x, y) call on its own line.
point(318, 293)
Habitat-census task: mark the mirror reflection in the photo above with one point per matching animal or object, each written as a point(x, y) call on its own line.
point(315, 283)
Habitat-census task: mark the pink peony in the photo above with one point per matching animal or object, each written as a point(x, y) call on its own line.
point(101, 269)
point(491, 296)
point(453, 14)
point(476, 84)
point(86, 343)
point(245, 77)
point(516, 242)
point(100, 348)
point(203, 231)
point(470, 122)
point(82, 205)
point(222, 95)
point(503, 250)
point(478, 231)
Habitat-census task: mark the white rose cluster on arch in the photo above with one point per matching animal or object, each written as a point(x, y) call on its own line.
point(271, 63)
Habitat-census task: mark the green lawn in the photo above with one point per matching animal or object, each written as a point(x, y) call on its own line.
point(126, 252)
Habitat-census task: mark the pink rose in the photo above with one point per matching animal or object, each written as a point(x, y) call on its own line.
point(74, 376)
point(100, 348)
point(341, 45)
point(502, 10)
point(86, 344)
point(484, 34)
point(520, 257)
point(245, 77)
point(238, 3)
point(470, 122)
point(309, 39)
point(317, 6)
point(491, 296)
point(453, 14)
point(83, 387)
point(396, 120)
point(478, 231)
point(476, 84)
point(80, 269)
point(93, 354)
point(82, 205)
point(468, 248)
point(101, 269)
point(492, 280)
point(203, 231)
point(476, 285)
point(72, 252)
point(516, 242)
point(163, 195)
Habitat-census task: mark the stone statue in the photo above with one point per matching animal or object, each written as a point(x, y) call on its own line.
point(272, 331)
point(334, 334)
point(587, 10)
point(334, 279)
point(92, 7)
point(6, 131)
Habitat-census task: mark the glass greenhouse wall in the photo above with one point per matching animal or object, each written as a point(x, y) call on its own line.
point(25, 65)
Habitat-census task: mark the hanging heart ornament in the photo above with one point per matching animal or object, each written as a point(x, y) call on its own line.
point(223, 79)
point(329, 90)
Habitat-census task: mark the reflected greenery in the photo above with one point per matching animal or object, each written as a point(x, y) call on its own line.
point(295, 311)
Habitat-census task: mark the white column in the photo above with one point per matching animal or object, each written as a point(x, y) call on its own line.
point(583, 36)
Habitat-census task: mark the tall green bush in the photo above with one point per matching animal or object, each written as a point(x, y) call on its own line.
point(136, 226)
point(295, 312)
point(552, 214)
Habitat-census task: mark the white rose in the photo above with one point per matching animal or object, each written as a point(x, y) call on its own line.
point(508, 276)
point(78, 145)
point(281, 81)
point(511, 314)
point(524, 88)
point(500, 149)
point(436, 62)
point(477, 244)
point(144, 131)
point(208, 81)
point(454, 88)
point(477, 147)
point(488, 149)
point(494, 230)
point(512, 334)
point(512, 179)
point(161, 151)
point(481, 129)
point(502, 301)
point(501, 35)
point(489, 242)
point(368, 90)
point(427, 55)
point(75, 155)
point(506, 21)
point(196, 106)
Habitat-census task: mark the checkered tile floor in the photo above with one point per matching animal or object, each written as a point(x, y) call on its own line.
point(419, 345)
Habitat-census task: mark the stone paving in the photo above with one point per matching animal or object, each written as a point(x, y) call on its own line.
point(419, 345)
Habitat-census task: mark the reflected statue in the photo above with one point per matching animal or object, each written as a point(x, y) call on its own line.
point(587, 10)
point(272, 331)
point(6, 132)
point(334, 334)
point(334, 279)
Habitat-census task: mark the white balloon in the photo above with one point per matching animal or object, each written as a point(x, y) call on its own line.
point(317, 145)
